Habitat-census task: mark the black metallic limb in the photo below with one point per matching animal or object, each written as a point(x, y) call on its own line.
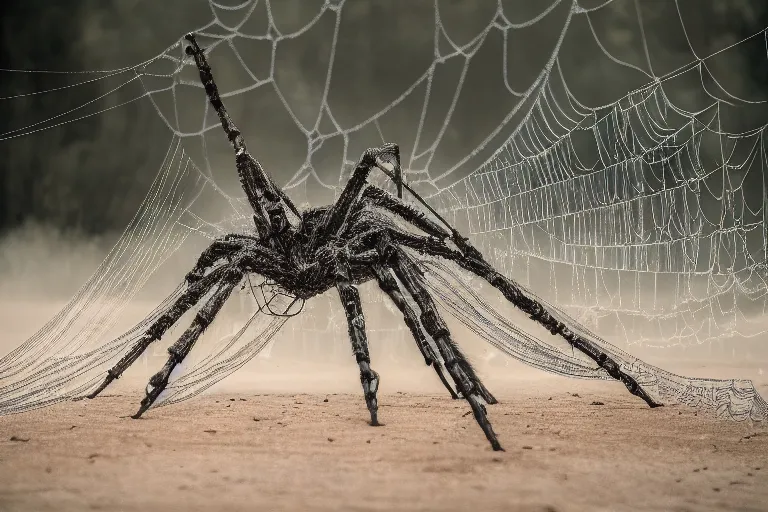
point(470, 259)
point(353, 309)
point(464, 376)
point(263, 195)
point(388, 202)
point(389, 285)
point(218, 250)
point(412, 279)
point(191, 296)
point(341, 211)
point(179, 350)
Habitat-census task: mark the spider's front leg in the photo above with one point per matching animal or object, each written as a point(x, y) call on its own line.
point(353, 308)
point(464, 376)
point(191, 296)
point(270, 204)
point(179, 350)
point(388, 284)
point(198, 284)
point(220, 249)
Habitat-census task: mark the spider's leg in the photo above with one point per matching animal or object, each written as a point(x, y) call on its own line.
point(353, 308)
point(179, 350)
point(267, 200)
point(389, 285)
point(464, 376)
point(386, 201)
point(470, 259)
point(219, 249)
point(350, 299)
point(192, 296)
point(351, 195)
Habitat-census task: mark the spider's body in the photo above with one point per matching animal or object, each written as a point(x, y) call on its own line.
point(340, 246)
point(294, 263)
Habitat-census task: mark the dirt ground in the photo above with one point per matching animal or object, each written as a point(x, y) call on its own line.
point(262, 443)
point(303, 452)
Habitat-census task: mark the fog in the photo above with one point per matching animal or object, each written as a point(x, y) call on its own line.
point(312, 352)
point(66, 193)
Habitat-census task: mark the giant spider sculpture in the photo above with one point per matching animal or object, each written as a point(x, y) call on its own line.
point(343, 245)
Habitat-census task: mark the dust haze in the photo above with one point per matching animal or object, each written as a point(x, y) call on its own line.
point(46, 268)
point(61, 209)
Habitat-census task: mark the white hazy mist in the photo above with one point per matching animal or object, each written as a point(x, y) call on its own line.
point(87, 174)
point(42, 269)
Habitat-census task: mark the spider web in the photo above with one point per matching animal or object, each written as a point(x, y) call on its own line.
point(643, 216)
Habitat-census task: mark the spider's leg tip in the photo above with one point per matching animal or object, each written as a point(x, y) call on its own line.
point(193, 48)
point(141, 411)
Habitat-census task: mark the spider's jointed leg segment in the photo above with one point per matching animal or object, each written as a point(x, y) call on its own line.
point(269, 203)
point(192, 296)
point(179, 350)
point(222, 248)
point(386, 201)
point(470, 259)
point(464, 376)
point(388, 154)
point(413, 280)
point(388, 284)
point(353, 308)
point(350, 299)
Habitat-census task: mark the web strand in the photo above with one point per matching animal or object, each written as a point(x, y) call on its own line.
point(635, 215)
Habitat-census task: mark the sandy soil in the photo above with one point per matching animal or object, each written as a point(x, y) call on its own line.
point(301, 452)
point(262, 443)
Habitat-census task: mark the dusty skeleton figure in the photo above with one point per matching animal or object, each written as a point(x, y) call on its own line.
point(343, 245)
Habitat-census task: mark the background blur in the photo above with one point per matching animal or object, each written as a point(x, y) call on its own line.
point(67, 192)
point(92, 174)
